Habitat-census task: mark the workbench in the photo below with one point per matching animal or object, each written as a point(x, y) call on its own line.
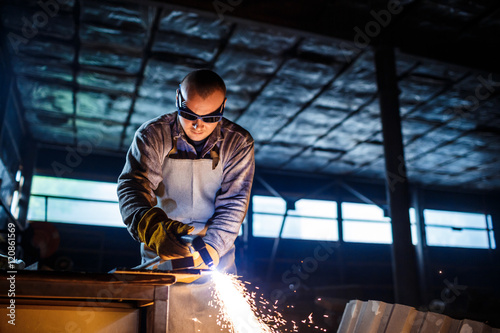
point(48, 301)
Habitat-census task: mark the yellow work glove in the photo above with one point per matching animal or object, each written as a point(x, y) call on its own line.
point(198, 261)
point(162, 234)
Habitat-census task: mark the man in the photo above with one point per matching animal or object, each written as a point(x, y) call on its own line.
point(189, 172)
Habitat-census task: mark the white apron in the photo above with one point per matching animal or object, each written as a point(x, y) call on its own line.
point(187, 194)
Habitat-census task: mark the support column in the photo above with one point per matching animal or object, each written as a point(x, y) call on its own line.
point(5, 78)
point(421, 247)
point(405, 273)
point(248, 254)
point(28, 168)
point(495, 220)
point(341, 249)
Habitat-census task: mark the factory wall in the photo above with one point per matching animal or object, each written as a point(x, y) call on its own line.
point(12, 143)
point(461, 282)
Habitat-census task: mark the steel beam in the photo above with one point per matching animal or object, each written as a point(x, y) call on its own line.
point(421, 247)
point(405, 273)
point(28, 167)
point(5, 78)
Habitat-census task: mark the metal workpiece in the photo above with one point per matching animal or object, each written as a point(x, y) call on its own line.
point(166, 265)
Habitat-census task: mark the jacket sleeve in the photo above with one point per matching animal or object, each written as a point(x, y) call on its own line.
point(140, 176)
point(231, 203)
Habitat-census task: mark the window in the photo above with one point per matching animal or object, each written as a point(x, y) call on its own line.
point(457, 229)
point(268, 215)
point(311, 219)
point(364, 223)
point(242, 227)
point(74, 201)
point(413, 226)
point(490, 232)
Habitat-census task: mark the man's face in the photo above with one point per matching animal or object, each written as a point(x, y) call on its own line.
point(198, 130)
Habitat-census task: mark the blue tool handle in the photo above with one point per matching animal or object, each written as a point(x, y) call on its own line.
point(199, 245)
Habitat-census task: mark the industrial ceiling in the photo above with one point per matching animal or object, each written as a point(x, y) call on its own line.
point(302, 80)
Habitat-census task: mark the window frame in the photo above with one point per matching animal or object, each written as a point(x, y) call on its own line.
point(290, 214)
point(487, 222)
point(360, 220)
point(47, 198)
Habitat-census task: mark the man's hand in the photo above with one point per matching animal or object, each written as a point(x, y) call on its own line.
point(162, 234)
point(198, 261)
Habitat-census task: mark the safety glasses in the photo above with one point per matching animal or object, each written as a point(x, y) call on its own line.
point(186, 113)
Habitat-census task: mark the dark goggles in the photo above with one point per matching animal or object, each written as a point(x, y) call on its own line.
point(186, 113)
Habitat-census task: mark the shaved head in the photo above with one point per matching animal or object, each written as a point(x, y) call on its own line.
point(203, 82)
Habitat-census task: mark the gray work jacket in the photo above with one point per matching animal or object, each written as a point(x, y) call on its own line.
point(162, 137)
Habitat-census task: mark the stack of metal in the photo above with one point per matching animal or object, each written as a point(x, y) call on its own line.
point(380, 317)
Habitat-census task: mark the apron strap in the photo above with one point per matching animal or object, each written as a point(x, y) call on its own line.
point(214, 154)
point(174, 147)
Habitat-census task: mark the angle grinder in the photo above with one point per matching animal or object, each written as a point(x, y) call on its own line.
point(195, 244)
